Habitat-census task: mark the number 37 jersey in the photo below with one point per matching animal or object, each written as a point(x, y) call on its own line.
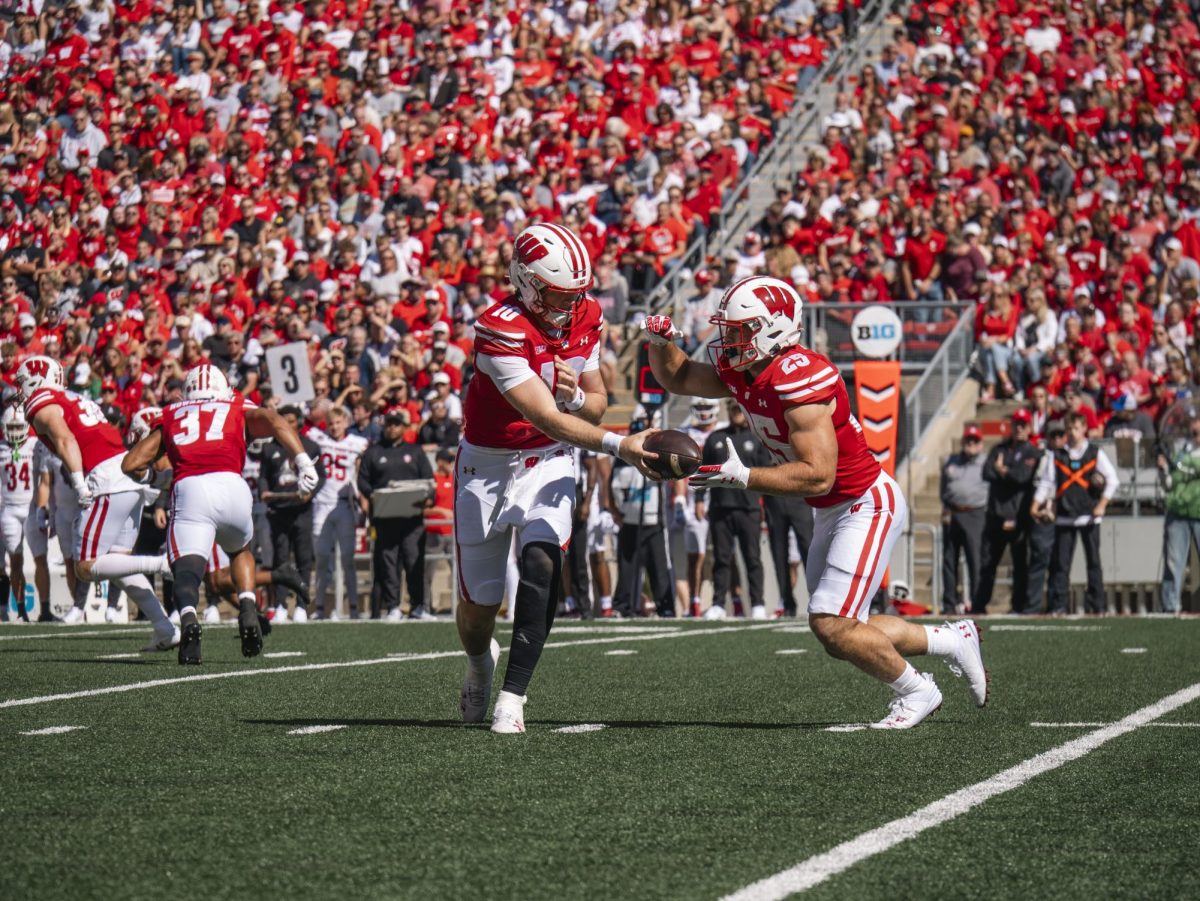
point(796, 377)
point(203, 436)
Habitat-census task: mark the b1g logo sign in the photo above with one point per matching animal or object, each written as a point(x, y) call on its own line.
point(876, 331)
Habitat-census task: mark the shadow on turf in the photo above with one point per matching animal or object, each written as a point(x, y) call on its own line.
point(611, 724)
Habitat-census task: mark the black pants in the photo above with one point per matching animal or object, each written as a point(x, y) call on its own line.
point(576, 563)
point(1060, 568)
point(995, 539)
point(291, 535)
point(743, 527)
point(1041, 549)
point(399, 545)
point(785, 516)
point(642, 551)
point(963, 534)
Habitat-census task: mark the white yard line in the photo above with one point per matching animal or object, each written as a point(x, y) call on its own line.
point(1133, 650)
point(787, 651)
point(582, 727)
point(53, 730)
point(276, 654)
point(314, 730)
point(128, 656)
point(620, 652)
point(818, 869)
point(1094, 725)
point(346, 664)
point(68, 632)
point(1030, 627)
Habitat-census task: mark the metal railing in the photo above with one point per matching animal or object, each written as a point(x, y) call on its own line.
point(783, 157)
point(942, 375)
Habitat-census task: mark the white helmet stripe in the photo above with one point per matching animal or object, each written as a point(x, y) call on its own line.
point(574, 247)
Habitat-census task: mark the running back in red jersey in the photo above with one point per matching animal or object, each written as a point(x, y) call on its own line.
point(796, 377)
point(98, 440)
point(202, 436)
point(509, 347)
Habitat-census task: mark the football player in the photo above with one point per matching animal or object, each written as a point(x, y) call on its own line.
point(110, 503)
point(16, 496)
point(703, 420)
point(798, 406)
point(204, 437)
point(536, 388)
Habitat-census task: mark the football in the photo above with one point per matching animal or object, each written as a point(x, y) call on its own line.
point(678, 454)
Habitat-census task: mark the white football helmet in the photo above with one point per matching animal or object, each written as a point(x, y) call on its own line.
point(758, 317)
point(16, 427)
point(705, 411)
point(38, 372)
point(206, 382)
point(142, 422)
point(551, 271)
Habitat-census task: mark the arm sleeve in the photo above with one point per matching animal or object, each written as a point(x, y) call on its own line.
point(1111, 479)
point(593, 360)
point(507, 372)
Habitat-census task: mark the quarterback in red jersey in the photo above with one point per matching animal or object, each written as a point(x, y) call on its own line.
point(537, 388)
point(204, 438)
point(110, 504)
point(798, 406)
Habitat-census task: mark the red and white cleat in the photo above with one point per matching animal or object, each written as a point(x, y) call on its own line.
point(967, 659)
point(908, 710)
point(508, 717)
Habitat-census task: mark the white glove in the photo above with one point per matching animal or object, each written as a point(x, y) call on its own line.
point(733, 473)
point(306, 474)
point(607, 525)
point(659, 330)
point(41, 519)
point(82, 490)
point(680, 513)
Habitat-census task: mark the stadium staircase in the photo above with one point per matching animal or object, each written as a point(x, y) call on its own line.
point(779, 162)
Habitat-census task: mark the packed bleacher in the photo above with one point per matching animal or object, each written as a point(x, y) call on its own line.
point(1036, 160)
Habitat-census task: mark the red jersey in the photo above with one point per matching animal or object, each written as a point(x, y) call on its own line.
point(796, 377)
point(507, 334)
point(98, 441)
point(203, 436)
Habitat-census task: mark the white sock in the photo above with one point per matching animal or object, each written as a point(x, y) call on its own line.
point(606, 602)
point(248, 596)
point(118, 566)
point(569, 603)
point(696, 600)
point(910, 680)
point(184, 611)
point(479, 662)
point(137, 586)
point(942, 641)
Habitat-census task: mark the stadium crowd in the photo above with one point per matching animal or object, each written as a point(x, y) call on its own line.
point(207, 180)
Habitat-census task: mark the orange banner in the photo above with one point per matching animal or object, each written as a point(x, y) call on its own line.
point(877, 384)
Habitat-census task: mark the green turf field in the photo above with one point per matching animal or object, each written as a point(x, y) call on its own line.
point(714, 770)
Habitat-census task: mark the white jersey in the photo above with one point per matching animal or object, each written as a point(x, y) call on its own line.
point(62, 495)
point(340, 459)
point(17, 474)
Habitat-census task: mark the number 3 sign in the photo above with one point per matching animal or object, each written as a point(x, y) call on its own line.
point(291, 377)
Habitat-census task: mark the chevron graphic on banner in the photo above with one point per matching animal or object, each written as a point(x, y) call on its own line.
point(882, 456)
point(878, 425)
point(877, 395)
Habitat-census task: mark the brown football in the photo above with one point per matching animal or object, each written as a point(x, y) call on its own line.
point(678, 454)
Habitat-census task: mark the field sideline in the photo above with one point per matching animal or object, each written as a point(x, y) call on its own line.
point(697, 761)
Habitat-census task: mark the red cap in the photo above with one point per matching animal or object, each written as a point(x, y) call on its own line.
point(972, 431)
point(1022, 415)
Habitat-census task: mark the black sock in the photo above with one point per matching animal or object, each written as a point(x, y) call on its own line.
point(536, 604)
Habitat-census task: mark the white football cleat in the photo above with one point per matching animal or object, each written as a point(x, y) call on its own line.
point(335, 617)
point(299, 615)
point(758, 611)
point(714, 612)
point(113, 615)
point(74, 616)
point(280, 616)
point(212, 615)
point(908, 710)
point(394, 616)
point(477, 690)
point(967, 659)
point(174, 617)
point(509, 716)
point(163, 642)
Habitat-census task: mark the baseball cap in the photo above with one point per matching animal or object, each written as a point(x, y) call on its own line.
point(441, 326)
point(971, 431)
point(26, 320)
point(440, 378)
point(1022, 415)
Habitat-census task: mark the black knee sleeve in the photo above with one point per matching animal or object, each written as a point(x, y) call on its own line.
point(537, 600)
point(189, 574)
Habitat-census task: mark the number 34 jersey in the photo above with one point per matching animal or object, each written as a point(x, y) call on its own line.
point(17, 473)
point(794, 378)
point(203, 436)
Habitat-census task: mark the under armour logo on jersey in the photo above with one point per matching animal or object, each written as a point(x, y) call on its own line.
point(854, 508)
point(530, 249)
point(531, 462)
point(469, 470)
point(540, 349)
point(762, 401)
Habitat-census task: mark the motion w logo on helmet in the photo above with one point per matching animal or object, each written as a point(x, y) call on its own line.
point(530, 249)
point(776, 300)
point(38, 367)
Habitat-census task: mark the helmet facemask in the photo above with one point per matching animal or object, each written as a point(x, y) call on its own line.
point(557, 307)
point(737, 349)
point(15, 432)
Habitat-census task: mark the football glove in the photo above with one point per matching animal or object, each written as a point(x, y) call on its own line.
point(733, 473)
point(660, 330)
point(306, 474)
